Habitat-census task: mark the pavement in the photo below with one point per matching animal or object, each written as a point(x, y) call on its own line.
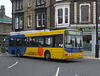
point(90, 55)
point(26, 66)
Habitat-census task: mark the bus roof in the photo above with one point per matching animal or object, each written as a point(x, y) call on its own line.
point(15, 36)
point(40, 33)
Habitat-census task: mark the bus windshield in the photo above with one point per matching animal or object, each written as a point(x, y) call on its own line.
point(73, 39)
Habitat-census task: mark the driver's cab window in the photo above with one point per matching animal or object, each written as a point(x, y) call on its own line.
point(73, 41)
point(69, 42)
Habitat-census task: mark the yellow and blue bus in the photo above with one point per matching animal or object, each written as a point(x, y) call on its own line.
point(57, 44)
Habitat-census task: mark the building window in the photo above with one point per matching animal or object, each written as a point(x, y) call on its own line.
point(19, 22)
point(41, 19)
point(66, 15)
point(38, 19)
point(85, 13)
point(40, 2)
point(19, 4)
point(16, 22)
point(62, 14)
point(29, 3)
point(43, 1)
point(29, 21)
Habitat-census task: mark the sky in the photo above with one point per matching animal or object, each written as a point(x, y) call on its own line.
point(8, 7)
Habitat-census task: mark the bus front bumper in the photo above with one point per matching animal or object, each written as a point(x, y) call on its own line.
point(73, 56)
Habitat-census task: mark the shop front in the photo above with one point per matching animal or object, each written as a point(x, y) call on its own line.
point(89, 39)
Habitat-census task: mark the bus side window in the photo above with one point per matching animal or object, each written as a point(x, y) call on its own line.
point(58, 40)
point(49, 41)
point(11, 41)
point(19, 41)
point(27, 41)
point(24, 42)
point(30, 41)
point(14, 42)
point(41, 41)
point(36, 42)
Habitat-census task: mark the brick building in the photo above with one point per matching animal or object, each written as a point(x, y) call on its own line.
point(29, 15)
point(5, 27)
point(44, 14)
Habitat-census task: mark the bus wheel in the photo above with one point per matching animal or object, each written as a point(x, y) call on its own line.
point(18, 54)
point(47, 56)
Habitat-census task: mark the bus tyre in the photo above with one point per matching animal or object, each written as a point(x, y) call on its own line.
point(18, 54)
point(47, 56)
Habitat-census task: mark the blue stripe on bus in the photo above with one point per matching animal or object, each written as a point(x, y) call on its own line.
point(13, 50)
point(16, 36)
point(72, 50)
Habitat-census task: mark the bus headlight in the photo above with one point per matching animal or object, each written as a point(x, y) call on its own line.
point(81, 54)
point(67, 54)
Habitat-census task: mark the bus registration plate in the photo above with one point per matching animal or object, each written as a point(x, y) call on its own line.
point(75, 58)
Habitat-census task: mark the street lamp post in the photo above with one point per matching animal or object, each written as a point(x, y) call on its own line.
point(96, 46)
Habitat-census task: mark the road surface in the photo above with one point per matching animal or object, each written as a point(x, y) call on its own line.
point(25, 66)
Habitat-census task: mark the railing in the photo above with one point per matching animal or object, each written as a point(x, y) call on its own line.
point(88, 46)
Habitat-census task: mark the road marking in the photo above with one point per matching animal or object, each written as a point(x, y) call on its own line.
point(57, 71)
point(13, 65)
point(76, 74)
point(0, 55)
